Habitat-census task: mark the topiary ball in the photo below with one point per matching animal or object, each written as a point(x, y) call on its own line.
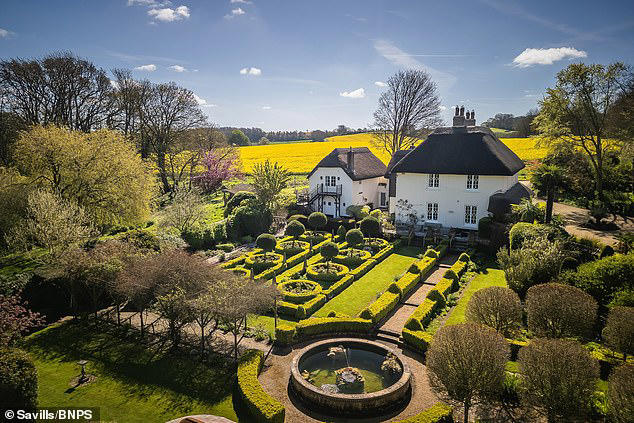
point(329, 250)
point(266, 242)
point(370, 227)
point(295, 228)
point(354, 237)
point(317, 220)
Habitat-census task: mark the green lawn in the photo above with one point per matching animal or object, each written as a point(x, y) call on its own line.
point(268, 322)
point(135, 383)
point(490, 277)
point(365, 290)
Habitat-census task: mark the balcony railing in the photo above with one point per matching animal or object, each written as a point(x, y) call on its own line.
point(329, 189)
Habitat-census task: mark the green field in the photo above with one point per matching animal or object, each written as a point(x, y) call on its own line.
point(365, 290)
point(134, 382)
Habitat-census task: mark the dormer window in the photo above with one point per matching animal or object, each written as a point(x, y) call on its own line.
point(472, 182)
point(434, 179)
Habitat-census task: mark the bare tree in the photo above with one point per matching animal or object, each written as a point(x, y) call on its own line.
point(466, 362)
point(59, 89)
point(167, 111)
point(408, 109)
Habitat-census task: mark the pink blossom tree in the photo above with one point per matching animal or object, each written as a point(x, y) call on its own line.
point(15, 319)
point(221, 164)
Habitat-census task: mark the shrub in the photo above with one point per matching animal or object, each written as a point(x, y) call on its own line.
point(358, 212)
point(226, 247)
point(295, 229)
point(341, 232)
point(423, 266)
point(18, 381)
point(484, 227)
point(537, 261)
point(619, 330)
point(370, 226)
point(431, 253)
point(437, 296)
point(621, 394)
point(352, 258)
point(199, 237)
point(570, 373)
point(237, 200)
point(383, 253)
point(142, 239)
point(363, 269)
point(300, 218)
point(623, 298)
point(248, 220)
point(497, 307)
point(317, 220)
point(335, 272)
point(557, 311)
point(381, 307)
point(308, 308)
point(220, 232)
point(437, 413)
point(424, 313)
point(467, 362)
point(606, 251)
point(522, 231)
point(464, 257)
point(260, 262)
point(604, 278)
point(404, 284)
point(354, 238)
point(332, 325)
point(329, 250)
point(291, 294)
point(284, 334)
point(261, 405)
point(266, 242)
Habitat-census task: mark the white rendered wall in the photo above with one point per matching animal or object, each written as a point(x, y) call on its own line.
point(451, 195)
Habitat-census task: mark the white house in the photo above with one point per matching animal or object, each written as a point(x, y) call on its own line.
point(345, 177)
point(455, 177)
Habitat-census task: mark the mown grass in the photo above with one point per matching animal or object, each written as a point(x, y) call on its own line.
point(489, 277)
point(365, 290)
point(134, 382)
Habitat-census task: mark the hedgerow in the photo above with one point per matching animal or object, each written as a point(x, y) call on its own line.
point(332, 325)
point(284, 334)
point(262, 407)
point(381, 307)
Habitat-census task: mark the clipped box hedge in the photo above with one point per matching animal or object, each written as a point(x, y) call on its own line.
point(418, 339)
point(363, 269)
point(437, 413)
point(297, 258)
point(352, 260)
point(383, 253)
point(234, 262)
point(423, 266)
point(326, 276)
point(332, 325)
point(404, 284)
point(286, 308)
point(284, 334)
point(423, 314)
point(381, 307)
point(308, 308)
point(299, 297)
point(262, 407)
point(337, 287)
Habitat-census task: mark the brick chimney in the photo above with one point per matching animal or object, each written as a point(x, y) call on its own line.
point(350, 157)
point(458, 118)
point(470, 120)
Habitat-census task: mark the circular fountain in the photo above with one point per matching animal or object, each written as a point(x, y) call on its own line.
point(350, 376)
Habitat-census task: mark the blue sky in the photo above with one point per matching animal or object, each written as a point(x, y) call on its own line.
point(300, 64)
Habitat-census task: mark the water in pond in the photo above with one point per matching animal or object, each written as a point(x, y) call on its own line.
point(321, 369)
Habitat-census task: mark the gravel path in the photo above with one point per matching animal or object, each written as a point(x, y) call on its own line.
point(275, 378)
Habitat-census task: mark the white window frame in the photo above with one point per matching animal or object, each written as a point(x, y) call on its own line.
point(383, 199)
point(434, 180)
point(432, 212)
point(473, 182)
point(470, 215)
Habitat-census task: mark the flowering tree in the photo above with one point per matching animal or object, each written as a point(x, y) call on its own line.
point(15, 319)
point(220, 164)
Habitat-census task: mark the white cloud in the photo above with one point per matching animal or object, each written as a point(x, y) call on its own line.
point(266, 107)
point(234, 13)
point(149, 3)
point(177, 68)
point(3, 33)
point(442, 108)
point(241, 1)
point(146, 68)
point(251, 71)
point(546, 56)
point(380, 84)
point(358, 93)
point(202, 102)
point(402, 59)
point(170, 15)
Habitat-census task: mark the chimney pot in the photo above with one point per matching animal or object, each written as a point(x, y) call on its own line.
point(461, 110)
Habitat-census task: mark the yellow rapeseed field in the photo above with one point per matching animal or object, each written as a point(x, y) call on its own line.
point(302, 157)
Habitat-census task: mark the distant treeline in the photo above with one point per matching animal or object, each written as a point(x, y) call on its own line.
point(519, 124)
point(256, 134)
